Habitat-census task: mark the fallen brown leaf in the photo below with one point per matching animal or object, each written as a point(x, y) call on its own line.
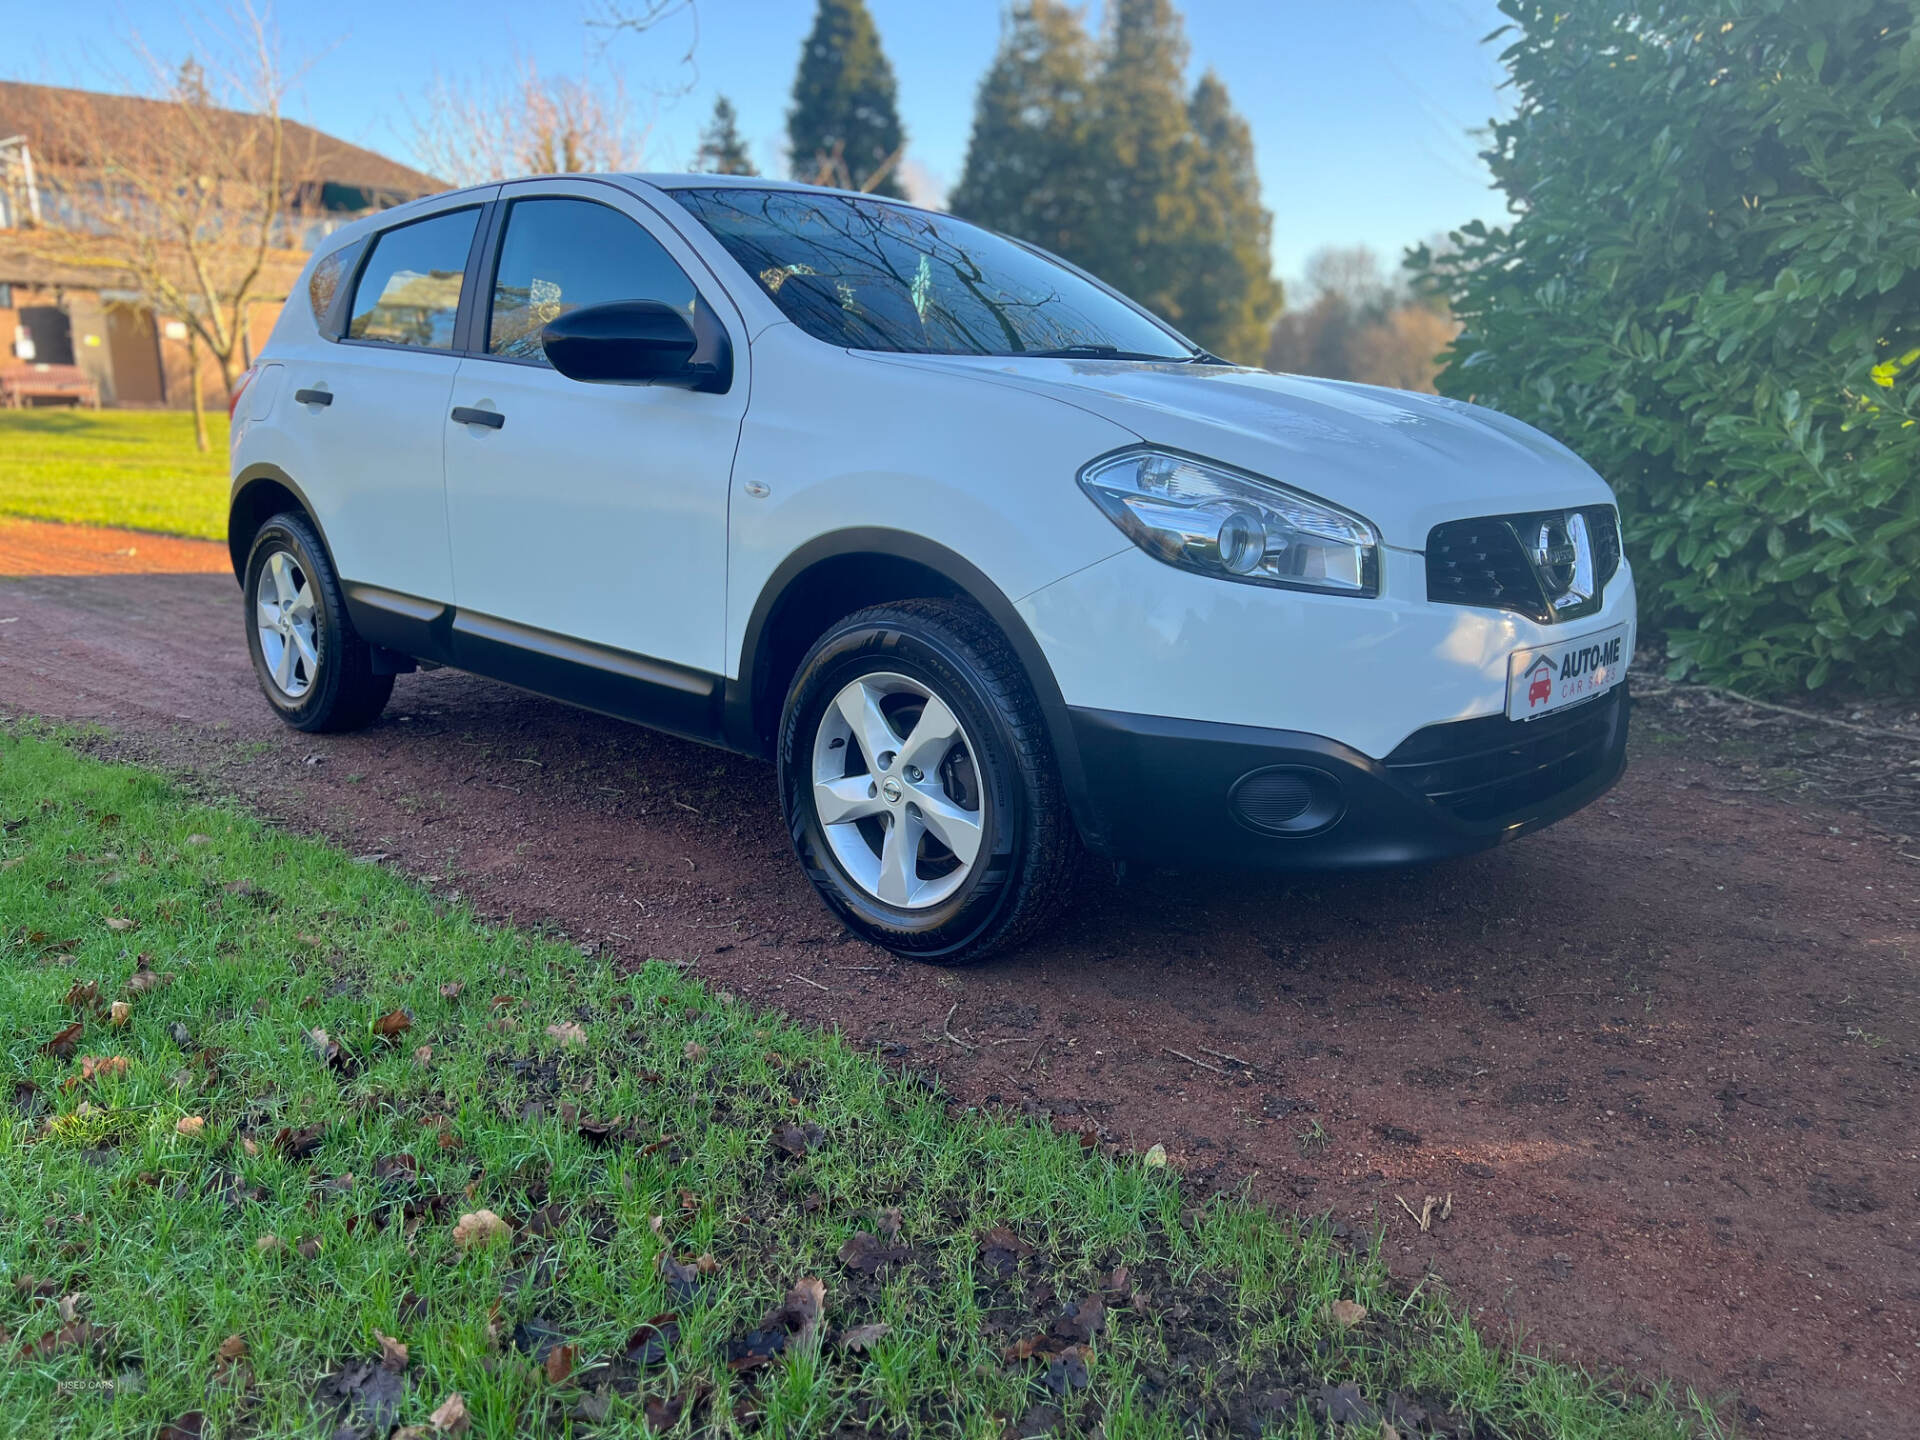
point(62, 1045)
point(570, 1034)
point(797, 1140)
point(269, 1245)
point(694, 1051)
point(84, 995)
point(478, 1228)
point(423, 1056)
point(145, 978)
point(119, 1013)
point(190, 1426)
point(299, 1144)
point(69, 1336)
point(559, 1363)
point(190, 1127)
point(861, 1337)
point(393, 1024)
point(1346, 1314)
point(451, 1417)
point(232, 1348)
point(393, 1354)
point(451, 990)
point(92, 1065)
point(119, 923)
point(868, 1253)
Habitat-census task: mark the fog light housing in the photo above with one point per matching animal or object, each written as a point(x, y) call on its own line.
point(1287, 800)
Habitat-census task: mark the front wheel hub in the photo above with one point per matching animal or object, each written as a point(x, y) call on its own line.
point(886, 754)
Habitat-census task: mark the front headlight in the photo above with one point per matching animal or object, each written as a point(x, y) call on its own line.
point(1206, 518)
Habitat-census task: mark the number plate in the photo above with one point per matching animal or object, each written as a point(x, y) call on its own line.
point(1546, 678)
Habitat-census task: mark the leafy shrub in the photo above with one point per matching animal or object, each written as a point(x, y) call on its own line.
point(1711, 290)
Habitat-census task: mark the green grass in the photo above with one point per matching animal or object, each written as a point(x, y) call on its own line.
point(263, 938)
point(136, 468)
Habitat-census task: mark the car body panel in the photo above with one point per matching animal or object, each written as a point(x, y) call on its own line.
point(1136, 636)
point(1404, 461)
point(843, 441)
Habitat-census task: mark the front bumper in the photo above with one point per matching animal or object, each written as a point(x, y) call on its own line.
point(1194, 794)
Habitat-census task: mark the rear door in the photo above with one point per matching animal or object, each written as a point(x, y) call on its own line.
point(367, 407)
point(588, 512)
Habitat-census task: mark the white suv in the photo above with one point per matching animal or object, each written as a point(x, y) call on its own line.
point(992, 563)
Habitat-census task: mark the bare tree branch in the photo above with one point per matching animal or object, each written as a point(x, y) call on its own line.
point(188, 204)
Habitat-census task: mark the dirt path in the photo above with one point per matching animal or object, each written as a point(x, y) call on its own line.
point(41, 547)
point(1663, 1057)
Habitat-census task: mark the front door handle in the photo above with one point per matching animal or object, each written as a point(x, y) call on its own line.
point(313, 397)
point(467, 415)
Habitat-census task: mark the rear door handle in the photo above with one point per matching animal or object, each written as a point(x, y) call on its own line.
point(313, 397)
point(467, 415)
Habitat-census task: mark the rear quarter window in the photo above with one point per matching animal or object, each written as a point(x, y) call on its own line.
point(323, 285)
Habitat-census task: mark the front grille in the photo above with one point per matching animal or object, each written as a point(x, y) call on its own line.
point(1494, 768)
point(1483, 561)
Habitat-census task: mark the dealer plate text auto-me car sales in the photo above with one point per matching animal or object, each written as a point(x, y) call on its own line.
point(997, 568)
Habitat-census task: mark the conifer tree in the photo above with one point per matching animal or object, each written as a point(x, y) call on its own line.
point(1027, 170)
point(1141, 157)
point(1229, 299)
point(722, 151)
point(844, 127)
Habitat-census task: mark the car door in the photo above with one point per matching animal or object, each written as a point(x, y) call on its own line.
point(369, 405)
point(588, 521)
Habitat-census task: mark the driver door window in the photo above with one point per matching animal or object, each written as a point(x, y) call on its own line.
point(561, 255)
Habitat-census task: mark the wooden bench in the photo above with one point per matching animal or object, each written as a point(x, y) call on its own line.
point(46, 385)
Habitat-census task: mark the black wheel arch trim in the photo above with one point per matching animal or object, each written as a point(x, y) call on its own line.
point(745, 694)
point(238, 546)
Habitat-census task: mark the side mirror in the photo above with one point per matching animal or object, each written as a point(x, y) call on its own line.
point(641, 342)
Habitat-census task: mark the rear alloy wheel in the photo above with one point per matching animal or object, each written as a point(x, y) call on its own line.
point(918, 783)
point(313, 667)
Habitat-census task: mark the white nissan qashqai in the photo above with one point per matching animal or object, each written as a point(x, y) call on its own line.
point(994, 565)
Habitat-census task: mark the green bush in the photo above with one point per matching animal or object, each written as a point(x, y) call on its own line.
point(1711, 290)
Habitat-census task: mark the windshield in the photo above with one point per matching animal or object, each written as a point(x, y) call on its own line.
point(873, 276)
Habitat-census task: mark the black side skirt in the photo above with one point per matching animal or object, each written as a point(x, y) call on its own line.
point(613, 682)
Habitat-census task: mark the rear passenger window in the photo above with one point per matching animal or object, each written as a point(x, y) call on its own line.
point(559, 255)
point(409, 292)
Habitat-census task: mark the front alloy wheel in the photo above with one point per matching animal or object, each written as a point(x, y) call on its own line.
point(919, 783)
point(896, 788)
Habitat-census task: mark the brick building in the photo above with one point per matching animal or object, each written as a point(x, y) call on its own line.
point(56, 314)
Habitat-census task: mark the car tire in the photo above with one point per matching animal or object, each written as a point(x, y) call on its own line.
point(991, 787)
point(312, 665)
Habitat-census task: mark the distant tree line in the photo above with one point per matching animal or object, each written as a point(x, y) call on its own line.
point(1354, 323)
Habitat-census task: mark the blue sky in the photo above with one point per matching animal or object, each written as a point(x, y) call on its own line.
point(1361, 113)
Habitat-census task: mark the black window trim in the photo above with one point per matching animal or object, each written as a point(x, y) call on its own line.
point(338, 322)
point(480, 322)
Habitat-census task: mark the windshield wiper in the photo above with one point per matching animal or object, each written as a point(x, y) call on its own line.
point(1093, 352)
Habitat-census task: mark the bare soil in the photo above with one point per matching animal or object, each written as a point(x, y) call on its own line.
point(1662, 1057)
point(42, 547)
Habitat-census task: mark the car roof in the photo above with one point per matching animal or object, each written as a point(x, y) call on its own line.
point(750, 182)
